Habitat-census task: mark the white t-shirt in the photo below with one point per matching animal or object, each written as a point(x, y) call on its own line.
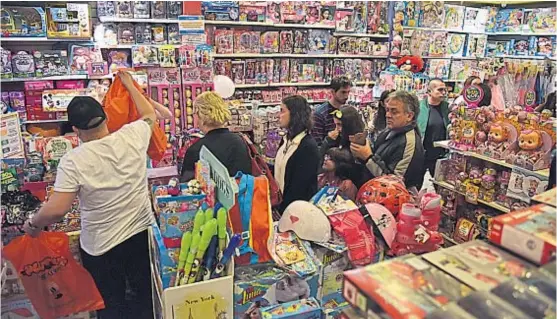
point(110, 178)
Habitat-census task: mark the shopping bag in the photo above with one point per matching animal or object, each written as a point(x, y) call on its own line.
point(54, 282)
point(120, 110)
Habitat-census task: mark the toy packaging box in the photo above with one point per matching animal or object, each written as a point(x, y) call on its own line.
point(529, 232)
point(69, 20)
point(298, 309)
point(167, 258)
point(475, 20)
point(432, 14)
point(406, 287)
point(454, 17)
point(509, 20)
point(540, 20)
point(220, 10)
point(456, 43)
point(6, 64)
point(51, 63)
point(334, 265)
point(263, 285)
point(23, 65)
point(23, 22)
point(481, 304)
point(476, 45)
point(478, 264)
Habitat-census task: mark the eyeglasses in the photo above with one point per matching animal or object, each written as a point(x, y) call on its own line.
point(337, 114)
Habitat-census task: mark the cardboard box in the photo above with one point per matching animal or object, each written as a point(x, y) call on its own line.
point(334, 265)
point(406, 287)
point(478, 264)
point(528, 232)
point(263, 285)
point(298, 309)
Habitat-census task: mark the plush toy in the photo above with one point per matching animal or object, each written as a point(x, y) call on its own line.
point(410, 63)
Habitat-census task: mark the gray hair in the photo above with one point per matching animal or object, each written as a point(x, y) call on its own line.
point(409, 100)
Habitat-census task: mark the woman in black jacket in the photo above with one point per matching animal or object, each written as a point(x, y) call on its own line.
point(297, 159)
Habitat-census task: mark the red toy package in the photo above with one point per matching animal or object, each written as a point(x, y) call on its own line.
point(55, 283)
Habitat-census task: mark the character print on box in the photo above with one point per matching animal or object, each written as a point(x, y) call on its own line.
point(51, 63)
point(312, 13)
point(327, 15)
point(438, 45)
point(159, 34)
point(432, 14)
point(273, 12)
point(286, 43)
point(455, 44)
point(141, 10)
point(475, 20)
point(454, 17)
point(126, 33)
point(224, 41)
point(23, 65)
point(344, 20)
point(509, 20)
point(124, 9)
point(173, 34)
point(143, 33)
point(301, 41)
point(106, 9)
point(6, 64)
point(270, 42)
point(158, 9)
point(118, 59)
point(173, 9)
point(318, 41)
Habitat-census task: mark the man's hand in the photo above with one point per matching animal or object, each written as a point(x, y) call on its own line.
point(362, 152)
point(30, 230)
point(126, 79)
point(333, 135)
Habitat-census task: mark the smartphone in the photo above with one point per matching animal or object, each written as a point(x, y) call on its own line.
point(358, 138)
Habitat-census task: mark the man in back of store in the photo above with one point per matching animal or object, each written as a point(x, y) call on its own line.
point(323, 124)
point(109, 175)
point(432, 122)
point(398, 149)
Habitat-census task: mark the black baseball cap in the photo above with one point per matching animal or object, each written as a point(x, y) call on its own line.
point(85, 113)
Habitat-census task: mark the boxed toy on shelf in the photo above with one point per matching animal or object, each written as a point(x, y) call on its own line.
point(23, 22)
point(68, 20)
point(528, 232)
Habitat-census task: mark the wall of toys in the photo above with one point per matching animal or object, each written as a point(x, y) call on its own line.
point(53, 51)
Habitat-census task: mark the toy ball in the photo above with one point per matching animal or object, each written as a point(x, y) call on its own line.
point(481, 136)
point(388, 190)
point(174, 186)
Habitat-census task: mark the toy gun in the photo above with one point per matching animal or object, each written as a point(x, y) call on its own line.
point(210, 255)
point(190, 258)
point(184, 250)
point(209, 230)
point(226, 256)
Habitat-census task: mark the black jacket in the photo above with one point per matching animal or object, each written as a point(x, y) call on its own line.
point(399, 152)
point(300, 177)
point(228, 147)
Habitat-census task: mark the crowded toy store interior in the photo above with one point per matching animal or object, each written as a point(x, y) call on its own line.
point(278, 159)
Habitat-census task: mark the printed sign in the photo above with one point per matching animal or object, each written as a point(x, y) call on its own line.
point(473, 95)
point(10, 136)
point(191, 24)
point(225, 186)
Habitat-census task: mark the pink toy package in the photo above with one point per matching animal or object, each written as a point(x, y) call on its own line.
point(246, 41)
point(273, 12)
point(70, 84)
point(292, 12)
point(270, 42)
point(224, 41)
point(313, 15)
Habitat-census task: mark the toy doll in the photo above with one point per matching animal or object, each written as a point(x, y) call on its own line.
point(529, 142)
point(497, 138)
point(312, 16)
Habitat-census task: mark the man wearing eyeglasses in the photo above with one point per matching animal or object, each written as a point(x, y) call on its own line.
point(432, 122)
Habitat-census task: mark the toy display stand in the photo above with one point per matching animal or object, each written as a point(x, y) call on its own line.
point(214, 296)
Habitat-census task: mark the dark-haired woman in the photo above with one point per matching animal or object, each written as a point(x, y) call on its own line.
point(347, 122)
point(297, 159)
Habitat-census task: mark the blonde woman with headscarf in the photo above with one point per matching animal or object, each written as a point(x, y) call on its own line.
point(213, 114)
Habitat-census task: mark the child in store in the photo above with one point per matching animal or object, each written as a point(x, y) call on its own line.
point(337, 170)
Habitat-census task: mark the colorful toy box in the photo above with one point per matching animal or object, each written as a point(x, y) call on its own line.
point(264, 285)
point(23, 22)
point(529, 232)
point(298, 309)
point(478, 264)
point(406, 287)
point(168, 259)
point(334, 265)
point(220, 10)
point(176, 213)
point(68, 20)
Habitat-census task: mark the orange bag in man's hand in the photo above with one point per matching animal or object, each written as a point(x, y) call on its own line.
point(120, 110)
point(54, 282)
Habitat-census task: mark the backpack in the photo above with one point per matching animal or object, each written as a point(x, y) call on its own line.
point(259, 167)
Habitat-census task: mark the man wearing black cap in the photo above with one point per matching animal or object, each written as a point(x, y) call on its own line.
point(108, 173)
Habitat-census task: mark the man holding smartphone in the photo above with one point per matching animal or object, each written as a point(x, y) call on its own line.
point(398, 149)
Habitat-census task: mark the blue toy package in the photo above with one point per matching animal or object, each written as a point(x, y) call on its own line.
point(263, 285)
point(298, 309)
point(541, 46)
point(509, 20)
point(23, 22)
point(334, 265)
point(166, 259)
point(519, 47)
point(12, 173)
point(176, 213)
point(220, 10)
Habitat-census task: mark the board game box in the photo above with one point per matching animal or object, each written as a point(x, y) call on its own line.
point(478, 264)
point(406, 287)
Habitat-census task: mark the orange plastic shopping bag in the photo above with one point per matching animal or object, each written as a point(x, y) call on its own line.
point(54, 282)
point(120, 110)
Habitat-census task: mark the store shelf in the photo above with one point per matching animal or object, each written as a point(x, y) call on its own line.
point(131, 20)
point(54, 78)
point(518, 33)
point(44, 121)
point(41, 39)
point(525, 57)
point(360, 35)
point(295, 55)
point(445, 144)
point(490, 204)
point(436, 29)
point(300, 84)
point(246, 86)
point(270, 24)
point(129, 46)
point(278, 103)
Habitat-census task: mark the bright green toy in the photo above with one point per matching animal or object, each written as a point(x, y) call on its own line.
point(209, 230)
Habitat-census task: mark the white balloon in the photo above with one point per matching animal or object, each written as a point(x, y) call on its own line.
point(224, 86)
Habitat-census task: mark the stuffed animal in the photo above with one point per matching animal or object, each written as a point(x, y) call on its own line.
point(410, 63)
